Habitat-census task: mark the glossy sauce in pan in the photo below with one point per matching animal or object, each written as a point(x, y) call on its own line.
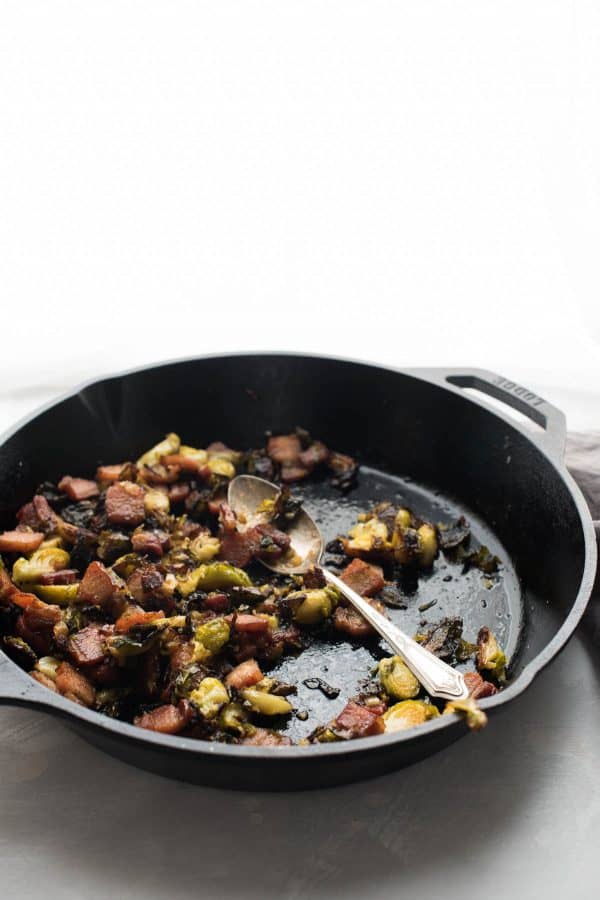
point(477, 599)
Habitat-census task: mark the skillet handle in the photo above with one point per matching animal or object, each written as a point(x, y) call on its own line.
point(544, 414)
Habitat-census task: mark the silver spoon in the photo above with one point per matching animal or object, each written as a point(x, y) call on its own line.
point(245, 495)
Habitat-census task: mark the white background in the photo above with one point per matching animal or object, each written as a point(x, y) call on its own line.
point(411, 182)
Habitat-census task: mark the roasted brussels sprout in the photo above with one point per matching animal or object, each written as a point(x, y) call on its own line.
point(156, 502)
point(212, 635)
point(473, 715)
point(397, 680)
point(210, 695)
point(428, 545)
point(48, 666)
point(407, 714)
point(19, 651)
point(205, 547)
point(312, 607)
point(212, 577)
point(367, 538)
point(42, 562)
point(62, 594)
point(264, 703)
point(170, 445)
point(490, 655)
point(233, 717)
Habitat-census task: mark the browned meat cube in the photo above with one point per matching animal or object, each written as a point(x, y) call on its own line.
point(125, 503)
point(78, 488)
point(20, 541)
point(364, 578)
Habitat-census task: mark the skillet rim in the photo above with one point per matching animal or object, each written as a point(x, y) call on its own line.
point(28, 693)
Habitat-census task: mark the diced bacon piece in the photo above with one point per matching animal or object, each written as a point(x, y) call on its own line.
point(96, 585)
point(40, 641)
point(279, 538)
point(179, 491)
point(7, 588)
point(125, 503)
point(478, 687)
point(111, 474)
point(284, 448)
point(250, 624)
point(151, 542)
point(27, 516)
point(105, 673)
point(356, 721)
point(214, 505)
point(78, 488)
point(86, 647)
point(63, 576)
point(262, 737)
point(159, 474)
point(217, 602)
point(20, 541)
point(182, 654)
point(238, 548)
point(348, 621)
point(314, 455)
point(43, 679)
point(46, 516)
point(187, 464)
point(166, 719)
point(291, 473)
point(39, 615)
point(22, 599)
point(145, 583)
point(136, 618)
point(73, 685)
point(364, 578)
point(314, 578)
point(244, 675)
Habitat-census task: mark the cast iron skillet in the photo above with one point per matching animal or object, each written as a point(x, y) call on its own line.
point(420, 436)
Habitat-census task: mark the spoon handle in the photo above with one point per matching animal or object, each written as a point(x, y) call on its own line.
point(437, 677)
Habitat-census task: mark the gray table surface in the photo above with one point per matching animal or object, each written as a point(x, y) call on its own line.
point(516, 807)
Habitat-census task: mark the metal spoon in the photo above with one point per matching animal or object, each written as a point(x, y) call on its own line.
point(245, 495)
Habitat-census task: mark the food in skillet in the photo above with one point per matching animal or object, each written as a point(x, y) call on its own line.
point(136, 594)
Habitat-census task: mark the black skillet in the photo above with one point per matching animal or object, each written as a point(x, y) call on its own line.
point(421, 439)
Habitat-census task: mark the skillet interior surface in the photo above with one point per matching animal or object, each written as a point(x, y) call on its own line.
point(416, 428)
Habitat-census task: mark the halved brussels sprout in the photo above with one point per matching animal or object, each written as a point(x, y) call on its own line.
point(156, 502)
point(201, 456)
point(168, 446)
point(468, 708)
point(213, 635)
point(210, 695)
point(403, 519)
point(42, 562)
point(212, 577)
point(364, 537)
point(490, 655)
point(220, 466)
point(264, 703)
point(233, 717)
point(408, 714)
point(205, 547)
point(397, 680)
point(428, 544)
point(62, 594)
point(48, 665)
point(313, 606)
